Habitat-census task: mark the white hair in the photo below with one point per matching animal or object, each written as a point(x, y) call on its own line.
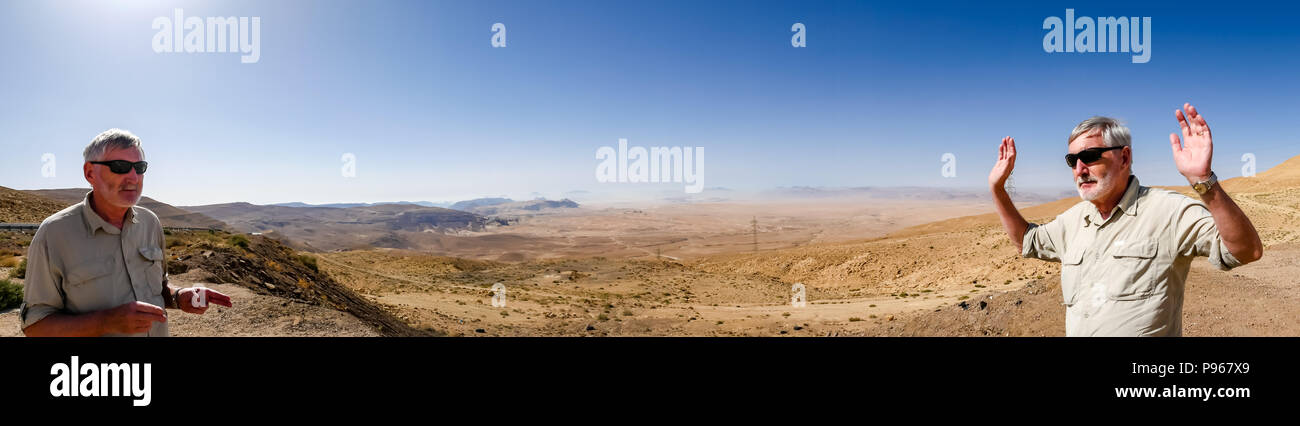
point(1113, 132)
point(109, 140)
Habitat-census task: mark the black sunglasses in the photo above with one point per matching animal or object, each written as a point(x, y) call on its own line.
point(122, 167)
point(1088, 156)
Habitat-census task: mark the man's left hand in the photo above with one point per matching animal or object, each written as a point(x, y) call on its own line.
point(186, 295)
point(1192, 156)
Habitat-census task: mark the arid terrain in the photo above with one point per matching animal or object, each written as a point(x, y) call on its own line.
point(869, 267)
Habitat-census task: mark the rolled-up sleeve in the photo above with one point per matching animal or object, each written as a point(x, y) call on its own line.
point(1043, 241)
point(41, 287)
point(1198, 235)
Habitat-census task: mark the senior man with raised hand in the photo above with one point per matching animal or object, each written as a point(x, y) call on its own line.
point(97, 268)
point(1126, 249)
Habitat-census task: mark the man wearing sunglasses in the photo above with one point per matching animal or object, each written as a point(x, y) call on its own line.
point(97, 268)
point(1126, 249)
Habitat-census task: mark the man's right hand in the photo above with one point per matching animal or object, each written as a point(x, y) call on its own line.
point(133, 317)
point(1006, 162)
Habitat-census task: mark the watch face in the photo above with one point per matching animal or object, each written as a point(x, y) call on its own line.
point(1199, 187)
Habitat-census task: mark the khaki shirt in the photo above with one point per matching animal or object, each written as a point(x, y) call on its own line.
point(1125, 276)
point(79, 263)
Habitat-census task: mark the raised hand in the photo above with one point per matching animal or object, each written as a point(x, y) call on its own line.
point(1192, 156)
point(1006, 162)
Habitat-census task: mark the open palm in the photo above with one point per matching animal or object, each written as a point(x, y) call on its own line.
point(1006, 163)
point(1192, 156)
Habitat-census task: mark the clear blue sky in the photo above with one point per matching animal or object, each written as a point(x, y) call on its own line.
point(433, 112)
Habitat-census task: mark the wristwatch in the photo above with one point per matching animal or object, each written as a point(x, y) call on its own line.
point(1204, 186)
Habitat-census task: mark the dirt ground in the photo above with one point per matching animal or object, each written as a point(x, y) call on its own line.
point(252, 315)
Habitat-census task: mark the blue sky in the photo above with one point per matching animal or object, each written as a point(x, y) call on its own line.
point(433, 112)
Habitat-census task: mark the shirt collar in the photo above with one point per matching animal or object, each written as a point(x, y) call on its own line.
point(94, 222)
point(1127, 204)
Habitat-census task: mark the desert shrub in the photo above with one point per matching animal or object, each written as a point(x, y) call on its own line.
point(21, 272)
point(11, 295)
point(309, 261)
point(238, 240)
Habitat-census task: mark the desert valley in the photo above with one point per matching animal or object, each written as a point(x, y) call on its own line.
point(870, 262)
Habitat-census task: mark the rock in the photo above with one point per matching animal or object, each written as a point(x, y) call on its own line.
point(797, 328)
point(479, 330)
point(983, 305)
point(964, 305)
point(590, 328)
point(889, 318)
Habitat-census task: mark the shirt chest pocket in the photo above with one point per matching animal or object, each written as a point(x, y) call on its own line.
point(1132, 270)
point(1071, 276)
point(153, 259)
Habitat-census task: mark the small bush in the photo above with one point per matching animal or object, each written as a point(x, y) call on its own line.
point(21, 272)
point(309, 261)
point(238, 240)
point(854, 319)
point(11, 295)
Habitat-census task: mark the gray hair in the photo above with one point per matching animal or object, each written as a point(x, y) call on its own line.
point(109, 140)
point(1112, 131)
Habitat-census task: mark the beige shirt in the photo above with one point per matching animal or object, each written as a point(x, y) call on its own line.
point(1125, 276)
point(79, 263)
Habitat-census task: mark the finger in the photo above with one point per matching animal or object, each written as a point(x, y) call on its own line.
point(1197, 120)
point(218, 298)
point(1011, 145)
point(1182, 122)
point(1173, 142)
point(1193, 118)
point(1002, 149)
point(149, 308)
point(148, 315)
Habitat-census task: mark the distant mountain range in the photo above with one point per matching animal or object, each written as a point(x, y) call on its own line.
point(350, 205)
point(169, 215)
point(506, 206)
